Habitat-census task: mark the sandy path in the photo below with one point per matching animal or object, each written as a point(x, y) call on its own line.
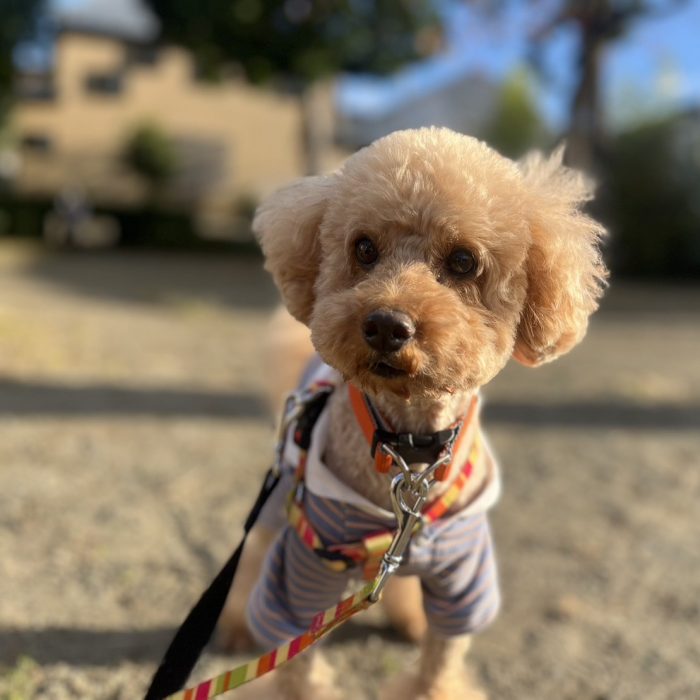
point(132, 437)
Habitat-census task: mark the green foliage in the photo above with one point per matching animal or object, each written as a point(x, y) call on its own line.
point(151, 226)
point(23, 216)
point(245, 205)
point(17, 18)
point(515, 125)
point(651, 193)
point(151, 154)
point(19, 683)
point(299, 41)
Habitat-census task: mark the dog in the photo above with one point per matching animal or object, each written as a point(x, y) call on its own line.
point(421, 267)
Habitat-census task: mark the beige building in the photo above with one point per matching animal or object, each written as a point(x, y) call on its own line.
point(232, 140)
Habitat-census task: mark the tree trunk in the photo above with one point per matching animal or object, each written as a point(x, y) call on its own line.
point(313, 137)
point(586, 126)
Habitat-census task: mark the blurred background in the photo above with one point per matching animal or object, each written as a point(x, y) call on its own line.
point(136, 139)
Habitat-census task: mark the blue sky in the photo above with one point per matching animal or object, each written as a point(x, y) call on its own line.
point(661, 60)
point(656, 67)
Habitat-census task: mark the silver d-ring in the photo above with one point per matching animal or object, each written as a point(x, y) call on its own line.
point(426, 477)
point(399, 461)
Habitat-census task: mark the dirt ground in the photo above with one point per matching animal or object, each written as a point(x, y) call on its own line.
point(132, 438)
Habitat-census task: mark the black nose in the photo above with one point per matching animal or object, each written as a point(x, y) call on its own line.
point(388, 331)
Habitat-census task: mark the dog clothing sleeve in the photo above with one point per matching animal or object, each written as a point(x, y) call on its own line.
point(293, 587)
point(457, 567)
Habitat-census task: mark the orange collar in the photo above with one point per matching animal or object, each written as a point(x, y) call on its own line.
point(412, 444)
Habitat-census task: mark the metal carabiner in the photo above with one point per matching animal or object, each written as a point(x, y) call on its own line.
point(407, 516)
point(415, 486)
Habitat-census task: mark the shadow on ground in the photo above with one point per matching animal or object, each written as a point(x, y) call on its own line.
point(595, 414)
point(105, 647)
point(230, 280)
point(239, 280)
point(27, 399)
point(81, 646)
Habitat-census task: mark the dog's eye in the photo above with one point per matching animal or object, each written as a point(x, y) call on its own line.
point(461, 262)
point(365, 251)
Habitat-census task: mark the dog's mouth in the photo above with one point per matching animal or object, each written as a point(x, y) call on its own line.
point(384, 369)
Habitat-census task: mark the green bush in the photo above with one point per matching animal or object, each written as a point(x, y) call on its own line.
point(515, 125)
point(23, 216)
point(651, 193)
point(151, 154)
point(143, 227)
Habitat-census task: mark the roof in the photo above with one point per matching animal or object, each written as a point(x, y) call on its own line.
point(131, 20)
point(436, 92)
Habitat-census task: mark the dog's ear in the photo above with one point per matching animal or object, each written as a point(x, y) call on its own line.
point(287, 226)
point(565, 271)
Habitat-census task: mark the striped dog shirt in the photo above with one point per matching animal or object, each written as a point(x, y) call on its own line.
point(453, 556)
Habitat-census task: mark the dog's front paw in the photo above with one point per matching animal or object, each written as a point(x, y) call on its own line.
point(410, 686)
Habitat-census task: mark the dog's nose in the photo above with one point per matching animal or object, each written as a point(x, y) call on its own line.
point(388, 331)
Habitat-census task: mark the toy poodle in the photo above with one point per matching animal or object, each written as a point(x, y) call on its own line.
point(421, 267)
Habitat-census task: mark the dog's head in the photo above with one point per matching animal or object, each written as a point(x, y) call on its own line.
point(428, 260)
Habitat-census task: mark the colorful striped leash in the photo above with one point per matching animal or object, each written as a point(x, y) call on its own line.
point(322, 624)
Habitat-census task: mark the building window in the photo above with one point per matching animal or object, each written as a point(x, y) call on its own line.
point(104, 83)
point(33, 87)
point(37, 143)
point(142, 55)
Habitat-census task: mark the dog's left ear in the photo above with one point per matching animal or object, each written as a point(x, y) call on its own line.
point(287, 226)
point(565, 271)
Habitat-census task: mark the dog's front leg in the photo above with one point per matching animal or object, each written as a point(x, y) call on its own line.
point(232, 632)
point(403, 604)
point(441, 674)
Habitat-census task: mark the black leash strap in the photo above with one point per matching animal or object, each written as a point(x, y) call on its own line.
point(195, 632)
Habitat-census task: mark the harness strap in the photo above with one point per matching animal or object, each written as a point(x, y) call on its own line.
point(413, 447)
point(369, 422)
point(440, 506)
point(367, 552)
point(319, 392)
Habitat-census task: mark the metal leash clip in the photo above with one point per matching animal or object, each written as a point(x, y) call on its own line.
point(409, 492)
